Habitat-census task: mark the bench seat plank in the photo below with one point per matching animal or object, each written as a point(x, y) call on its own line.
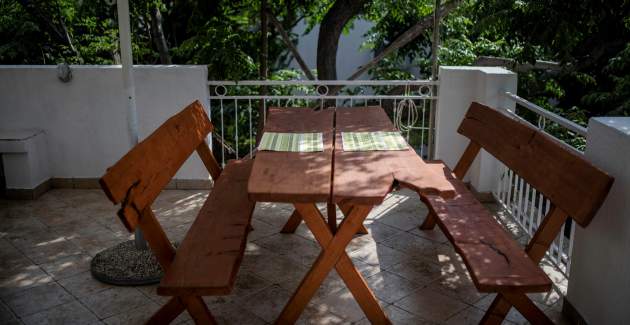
point(496, 262)
point(209, 257)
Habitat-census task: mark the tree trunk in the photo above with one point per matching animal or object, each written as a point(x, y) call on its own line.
point(157, 33)
point(329, 31)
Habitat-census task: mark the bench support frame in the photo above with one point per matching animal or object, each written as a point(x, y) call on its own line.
point(536, 249)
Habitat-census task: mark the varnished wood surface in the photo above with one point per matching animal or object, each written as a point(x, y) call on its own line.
point(139, 176)
point(208, 258)
point(294, 176)
point(366, 177)
point(494, 260)
point(561, 174)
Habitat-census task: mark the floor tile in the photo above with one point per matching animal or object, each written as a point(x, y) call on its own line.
point(36, 299)
point(378, 254)
point(468, 316)
point(400, 317)
point(268, 303)
point(83, 284)
point(20, 279)
point(114, 301)
point(68, 266)
point(52, 238)
point(431, 305)
point(69, 313)
point(390, 287)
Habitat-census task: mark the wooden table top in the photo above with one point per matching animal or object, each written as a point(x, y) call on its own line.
point(364, 177)
point(294, 176)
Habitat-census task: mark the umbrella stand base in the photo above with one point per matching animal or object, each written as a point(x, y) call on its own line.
point(125, 265)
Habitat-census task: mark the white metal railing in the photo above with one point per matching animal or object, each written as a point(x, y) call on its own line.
point(235, 106)
point(526, 205)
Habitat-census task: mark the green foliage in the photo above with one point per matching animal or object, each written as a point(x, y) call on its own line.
point(589, 38)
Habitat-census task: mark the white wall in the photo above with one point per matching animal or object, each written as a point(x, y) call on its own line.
point(459, 87)
point(85, 119)
point(599, 286)
point(350, 56)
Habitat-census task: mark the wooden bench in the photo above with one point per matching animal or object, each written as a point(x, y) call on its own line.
point(208, 259)
point(495, 261)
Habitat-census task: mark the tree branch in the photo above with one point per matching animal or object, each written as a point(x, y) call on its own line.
point(492, 61)
point(287, 41)
point(406, 37)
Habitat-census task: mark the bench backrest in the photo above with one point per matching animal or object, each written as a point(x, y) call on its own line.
point(139, 176)
point(568, 180)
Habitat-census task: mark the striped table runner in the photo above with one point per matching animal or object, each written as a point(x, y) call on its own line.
point(292, 142)
point(372, 141)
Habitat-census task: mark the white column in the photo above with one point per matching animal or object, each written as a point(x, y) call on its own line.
point(599, 284)
point(460, 86)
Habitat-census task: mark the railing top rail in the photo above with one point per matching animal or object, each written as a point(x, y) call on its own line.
point(319, 97)
point(323, 82)
point(547, 114)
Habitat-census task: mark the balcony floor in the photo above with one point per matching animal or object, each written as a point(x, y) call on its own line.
point(46, 246)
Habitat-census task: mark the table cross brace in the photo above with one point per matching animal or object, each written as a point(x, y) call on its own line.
point(333, 255)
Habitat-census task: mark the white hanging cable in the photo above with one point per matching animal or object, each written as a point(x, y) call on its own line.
point(412, 113)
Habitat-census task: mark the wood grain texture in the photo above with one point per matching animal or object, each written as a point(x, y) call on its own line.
point(494, 260)
point(344, 267)
point(366, 177)
point(294, 176)
point(140, 175)
point(332, 255)
point(561, 174)
point(208, 258)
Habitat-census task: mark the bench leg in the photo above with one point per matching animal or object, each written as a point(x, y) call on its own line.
point(198, 310)
point(429, 222)
point(333, 255)
point(502, 304)
point(294, 221)
point(168, 312)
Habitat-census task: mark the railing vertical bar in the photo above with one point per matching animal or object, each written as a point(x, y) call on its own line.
point(408, 122)
point(570, 252)
point(517, 181)
point(525, 205)
point(532, 211)
point(503, 184)
point(509, 193)
point(561, 243)
point(236, 126)
point(264, 111)
point(251, 135)
point(222, 136)
point(424, 106)
point(497, 192)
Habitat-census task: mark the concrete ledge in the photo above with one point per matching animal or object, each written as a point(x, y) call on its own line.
point(92, 183)
point(28, 194)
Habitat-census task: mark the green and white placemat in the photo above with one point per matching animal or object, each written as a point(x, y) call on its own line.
point(292, 142)
point(371, 141)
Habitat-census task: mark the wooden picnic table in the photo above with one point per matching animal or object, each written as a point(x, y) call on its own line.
point(355, 181)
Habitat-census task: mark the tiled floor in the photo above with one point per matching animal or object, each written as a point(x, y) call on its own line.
point(46, 246)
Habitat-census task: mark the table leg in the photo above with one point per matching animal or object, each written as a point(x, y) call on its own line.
point(345, 209)
point(333, 255)
point(294, 221)
point(331, 211)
